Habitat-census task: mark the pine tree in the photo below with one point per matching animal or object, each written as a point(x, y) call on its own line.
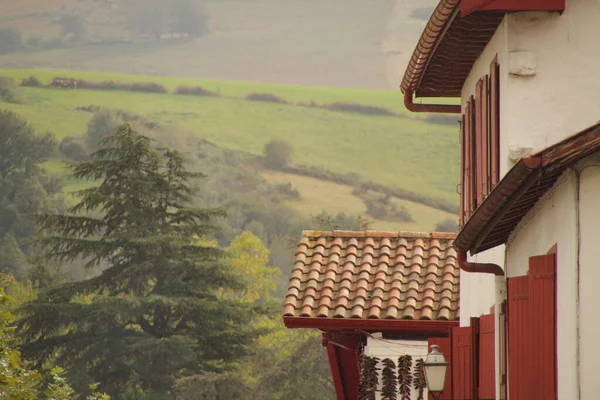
point(154, 314)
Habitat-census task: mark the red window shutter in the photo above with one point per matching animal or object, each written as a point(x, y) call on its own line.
point(470, 158)
point(494, 105)
point(542, 308)
point(463, 174)
point(519, 339)
point(487, 358)
point(446, 349)
point(479, 148)
point(463, 365)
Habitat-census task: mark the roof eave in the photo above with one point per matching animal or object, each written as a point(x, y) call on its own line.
point(520, 190)
point(414, 327)
point(438, 23)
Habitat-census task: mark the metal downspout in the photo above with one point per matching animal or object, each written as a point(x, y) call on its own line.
point(429, 108)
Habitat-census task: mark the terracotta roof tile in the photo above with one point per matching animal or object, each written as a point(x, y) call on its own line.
point(374, 275)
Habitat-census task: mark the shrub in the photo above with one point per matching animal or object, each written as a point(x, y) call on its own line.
point(34, 41)
point(381, 207)
point(359, 108)
point(71, 25)
point(10, 40)
point(196, 91)
point(148, 87)
point(288, 191)
point(447, 225)
point(72, 149)
point(268, 97)
point(102, 124)
point(31, 81)
point(277, 154)
point(10, 91)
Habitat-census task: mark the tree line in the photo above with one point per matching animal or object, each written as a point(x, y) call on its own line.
point(143, 286)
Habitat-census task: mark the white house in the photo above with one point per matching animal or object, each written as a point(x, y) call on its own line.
point(527, 73)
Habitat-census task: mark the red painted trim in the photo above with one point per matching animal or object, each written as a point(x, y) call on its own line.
point(335, 371)
point(373, 325)
point(470, 6)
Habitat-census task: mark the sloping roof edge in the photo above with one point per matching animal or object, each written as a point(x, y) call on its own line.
point(438, 23)
point(520, 189)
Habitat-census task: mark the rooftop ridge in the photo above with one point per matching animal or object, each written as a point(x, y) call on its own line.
point(378, 234)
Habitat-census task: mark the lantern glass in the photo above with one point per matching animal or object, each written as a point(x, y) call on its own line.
point(435, 367)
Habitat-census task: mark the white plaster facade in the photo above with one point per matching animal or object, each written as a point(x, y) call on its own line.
point(549, 86)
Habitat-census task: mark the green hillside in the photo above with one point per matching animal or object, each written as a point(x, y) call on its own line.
point(403, 151)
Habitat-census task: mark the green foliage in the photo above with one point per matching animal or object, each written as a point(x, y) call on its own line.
point(71, 25)
point(10, 40)
point(18, 381)
point(154, 314)
point(248, 258)
point(101, 125)
point(188, 17)
point(72, 149)
point(277, 154)
point(341, 221)
point(157, 17)
point(10, 92)
point(24, 189)
point(12, 260)
point(31, 81)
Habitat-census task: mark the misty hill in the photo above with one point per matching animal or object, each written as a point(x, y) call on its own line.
point(336, 43)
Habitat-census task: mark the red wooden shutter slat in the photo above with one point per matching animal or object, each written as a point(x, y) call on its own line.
point(487, 357)
point(542, 294)
point(519, 339)
point(479, 143)
point(463, 368)
point(485, 138)
point(463, 174)
point(472, 156)
point(494, 124)
point(468, 161)
point(446, 349)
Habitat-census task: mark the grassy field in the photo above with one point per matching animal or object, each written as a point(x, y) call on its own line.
point(317, 195)
point(399, 151)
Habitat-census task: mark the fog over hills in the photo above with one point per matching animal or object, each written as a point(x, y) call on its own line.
point(337, 43)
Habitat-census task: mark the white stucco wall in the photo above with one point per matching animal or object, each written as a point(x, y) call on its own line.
point(561, 98)
point(554, 222)
point(549, 80)
point(589, 278)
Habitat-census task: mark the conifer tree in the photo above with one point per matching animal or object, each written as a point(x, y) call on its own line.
point(154, 314)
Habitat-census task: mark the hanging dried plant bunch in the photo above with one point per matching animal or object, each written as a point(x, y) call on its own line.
point(405, 376)
point(388, 378)
point(369, 378)
point(419, 381)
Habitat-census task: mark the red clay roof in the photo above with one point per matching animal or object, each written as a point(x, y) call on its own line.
point(374, 275)
point(521, 188)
